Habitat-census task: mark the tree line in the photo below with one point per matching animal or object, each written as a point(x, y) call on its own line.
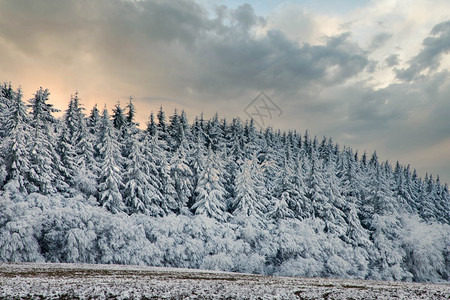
point(224, 170)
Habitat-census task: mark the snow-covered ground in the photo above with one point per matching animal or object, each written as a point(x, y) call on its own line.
point(63, 281)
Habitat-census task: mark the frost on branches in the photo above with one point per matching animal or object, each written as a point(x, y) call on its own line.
point(213, 194)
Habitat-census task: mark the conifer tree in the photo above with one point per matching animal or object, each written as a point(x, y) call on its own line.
point(214, 133)
point(118, 117)
point(154, 154)
point(317, 187)
point(137, 195)
point(151, 125)
point(67, 154)
point(210, 193)
point(110, 180)
point(44, 173)
point(168, 192)
point(162, 126)
point(131, 113)
point(15, 145)
point(87, 169)
point(181, 175)
point(248, 200)
point(284, 183)
point(93, 122)
point(67, 141)
point(7, 96)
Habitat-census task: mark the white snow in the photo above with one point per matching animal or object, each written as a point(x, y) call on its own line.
point(50, 281)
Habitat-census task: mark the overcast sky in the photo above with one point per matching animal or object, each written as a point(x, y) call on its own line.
point(373, 75)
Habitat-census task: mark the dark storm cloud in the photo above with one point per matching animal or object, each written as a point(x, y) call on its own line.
point(434, 47)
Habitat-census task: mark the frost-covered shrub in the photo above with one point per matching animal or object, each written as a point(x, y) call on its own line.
point(19, 231)
point(425, 247)
point(300, 266)
point(219, 262)
point(68, 234)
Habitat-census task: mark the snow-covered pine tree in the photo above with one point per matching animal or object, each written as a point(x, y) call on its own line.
point(284, 183)
point(302, 207)
point(118, 117)
point(335, 217)
point(195, 158)
point(182, 175)
point(442, 211)
point(400, 189)
point(7, 95)
point(162, 125)
point(67, 141)
point(110, 159)
point(249, 201)
point(151, 125)
point(168, 192)
point(280, 209)
point(174, 131)
point(136, 193)
point(154, 154)
point(233, 135)
point(317, 187)
point(94, 120)
point(44, 173)
point(270, 160)
point(87, 167)
point(15, 145)
point(67, 154)
point(378, 199)
point(131, 113)
point(350, 181)
point(185, 125)
point(210, 195)
point(214, 134)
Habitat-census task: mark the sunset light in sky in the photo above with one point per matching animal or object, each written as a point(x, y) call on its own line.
point(373, 75)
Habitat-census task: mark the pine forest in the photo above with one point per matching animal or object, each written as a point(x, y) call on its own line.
point(93, 186)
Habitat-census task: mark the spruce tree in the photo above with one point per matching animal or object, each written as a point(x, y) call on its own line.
point(87, 169)
point(15, 146)
point(131, 113)
point(137, 196)
point(248, 200)
point(118, 117)
point(151, 125)
point(181, 175)
point(110, 180)
point(154, 154)
point(210, 193)
point(44, 173)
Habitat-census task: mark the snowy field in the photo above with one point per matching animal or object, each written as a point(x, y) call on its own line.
point(82, 281)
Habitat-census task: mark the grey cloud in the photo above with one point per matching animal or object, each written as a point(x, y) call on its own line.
point(177, 45)
point(405, 115)
point(372, 66)
point(245, 17)
point(392, 60)
point(379, 40)
point(398, 120)
point(274, 62)
point(434, 46)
